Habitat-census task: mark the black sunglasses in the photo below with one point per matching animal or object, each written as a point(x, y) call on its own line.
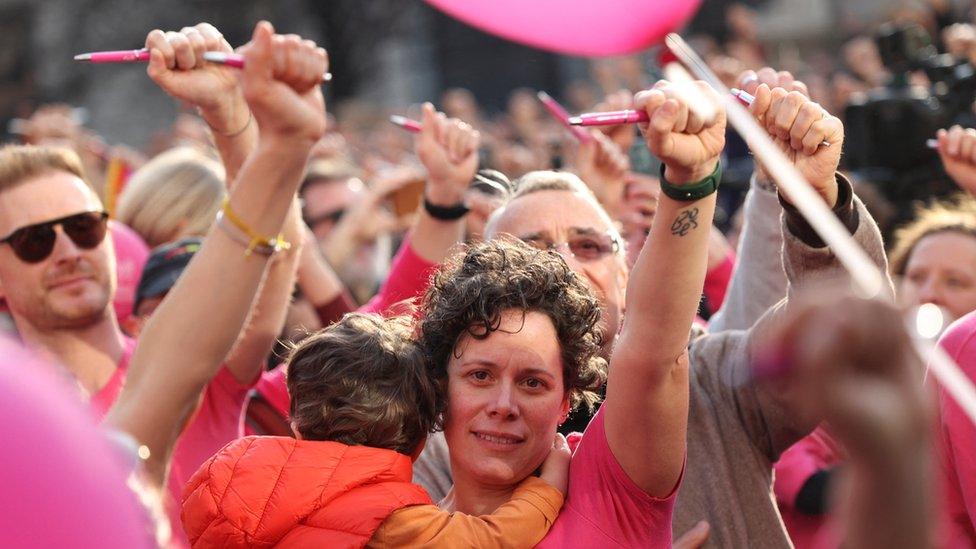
point(34, 243)
point(332, 217)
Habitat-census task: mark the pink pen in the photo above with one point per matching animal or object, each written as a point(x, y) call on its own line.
point(411, 126)
point(611, 118)
point(237, 61)
point(559, 113)
point(120, 56)
point(629, 117)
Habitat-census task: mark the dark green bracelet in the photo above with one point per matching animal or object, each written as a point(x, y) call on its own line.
point(693, 191)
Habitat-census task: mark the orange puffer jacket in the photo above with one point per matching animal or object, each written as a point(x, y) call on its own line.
point(264, 491)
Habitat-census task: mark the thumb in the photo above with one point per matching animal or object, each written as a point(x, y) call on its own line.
point(560, 443)
point(429, 122)
point(157, 65)
point(661, 124)
point(260, 61)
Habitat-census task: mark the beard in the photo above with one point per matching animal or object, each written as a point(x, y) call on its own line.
point(77, 306)
point(63, 316)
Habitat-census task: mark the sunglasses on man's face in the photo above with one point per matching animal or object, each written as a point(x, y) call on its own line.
point(34, 243)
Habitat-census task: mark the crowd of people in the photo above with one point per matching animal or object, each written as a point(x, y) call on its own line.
point(280, 327)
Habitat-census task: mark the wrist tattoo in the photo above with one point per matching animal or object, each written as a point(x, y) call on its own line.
point(685, 222)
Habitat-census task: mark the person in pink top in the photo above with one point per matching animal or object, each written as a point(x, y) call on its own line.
point(958, 440)
point(131, 254)
point(256, 242)
point(803, 478)
point(516, 336)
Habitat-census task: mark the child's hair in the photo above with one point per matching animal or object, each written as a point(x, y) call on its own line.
point(363, 381)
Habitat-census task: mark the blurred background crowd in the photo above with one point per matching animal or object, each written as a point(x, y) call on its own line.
point(389, 56)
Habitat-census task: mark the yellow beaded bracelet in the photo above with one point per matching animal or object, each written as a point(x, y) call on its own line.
point(256, 243)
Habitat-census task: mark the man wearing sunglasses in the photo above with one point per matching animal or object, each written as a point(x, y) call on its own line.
point(57, 269)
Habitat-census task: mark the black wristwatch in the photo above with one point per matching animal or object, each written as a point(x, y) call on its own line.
point(694, 191)
point(446, 213)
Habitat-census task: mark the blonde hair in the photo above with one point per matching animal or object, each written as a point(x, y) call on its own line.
point(957, 215)
point(176, 194)
point(18, 163)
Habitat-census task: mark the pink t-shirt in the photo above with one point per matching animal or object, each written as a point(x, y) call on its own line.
point(717, 282)
point(215, 424)
point(604, 508)
point(131, 254)
point(958, 441)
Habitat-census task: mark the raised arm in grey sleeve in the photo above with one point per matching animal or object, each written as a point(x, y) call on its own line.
point(807, 262)
point(758, 282)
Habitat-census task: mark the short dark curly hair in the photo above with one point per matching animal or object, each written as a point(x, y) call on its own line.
point(364, 381)
point(469, 294)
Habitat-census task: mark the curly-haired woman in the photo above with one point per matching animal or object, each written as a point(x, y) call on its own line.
point(514, 335)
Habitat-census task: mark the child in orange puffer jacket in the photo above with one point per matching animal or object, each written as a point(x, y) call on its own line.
point(362, 405)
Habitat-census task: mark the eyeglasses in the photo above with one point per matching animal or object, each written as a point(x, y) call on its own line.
point(34, 243)
point(585, 247)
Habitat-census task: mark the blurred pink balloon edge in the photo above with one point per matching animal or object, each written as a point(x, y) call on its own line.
point(575, 27)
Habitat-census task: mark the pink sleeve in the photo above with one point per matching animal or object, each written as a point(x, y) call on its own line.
point(957, 441)
point(216, 423)
point(717, 282)
point(810, 454)
point(604, 507)
point(409, 277)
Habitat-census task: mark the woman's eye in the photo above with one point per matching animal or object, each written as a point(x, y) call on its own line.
point(479, 375)
point(535, 383)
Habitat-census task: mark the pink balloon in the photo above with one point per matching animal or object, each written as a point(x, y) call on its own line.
point(575, 27)
point(63, 484)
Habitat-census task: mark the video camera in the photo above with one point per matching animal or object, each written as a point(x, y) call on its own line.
point(887, 129)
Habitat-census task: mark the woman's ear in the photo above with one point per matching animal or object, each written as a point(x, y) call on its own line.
point(564, 410)
point(298, 435)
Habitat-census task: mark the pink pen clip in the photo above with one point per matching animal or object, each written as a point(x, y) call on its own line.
point(559, 113)
point(237, 61)
point(411, 126)
point(119, 56)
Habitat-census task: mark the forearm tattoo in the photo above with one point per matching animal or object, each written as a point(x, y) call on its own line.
point(685, 222)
